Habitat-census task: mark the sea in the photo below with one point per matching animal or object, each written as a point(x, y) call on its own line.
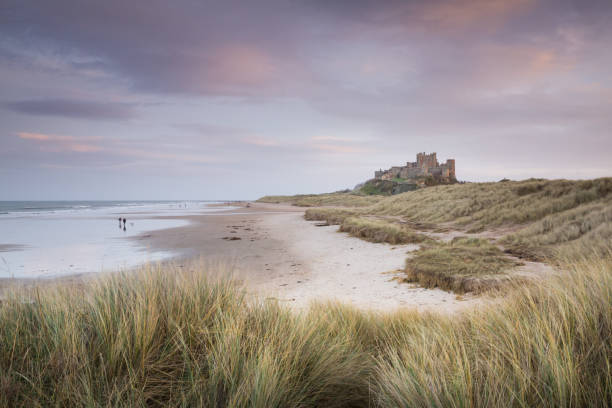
point(47, 239)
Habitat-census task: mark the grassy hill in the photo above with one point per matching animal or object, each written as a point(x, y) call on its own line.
point(549, 218)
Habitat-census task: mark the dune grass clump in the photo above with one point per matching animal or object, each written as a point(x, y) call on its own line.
point(565, 233)
point(377, 230)
point(342, 199)
point(171, 338)
point(462, 265)
point(333, 216)
point(547, 345)
point(167, 337)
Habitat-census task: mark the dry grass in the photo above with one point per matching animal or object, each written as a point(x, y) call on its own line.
point(174, 338)
point(560, 234)
point(548, 345)
point(370, 229)
point(462, 265)
point(333, 216)
point(377, 230)
point(329, 199)
point(481, 205)
point(486, 205)
point(554, 217)
point(170, 338)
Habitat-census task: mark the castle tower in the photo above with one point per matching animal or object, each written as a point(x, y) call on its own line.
point(450, 163)
point(427, 161)
point(420, 159)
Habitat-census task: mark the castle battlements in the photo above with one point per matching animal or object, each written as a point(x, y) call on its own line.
point(425, 165)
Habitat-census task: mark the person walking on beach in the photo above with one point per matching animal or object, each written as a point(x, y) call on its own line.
point(119, 222)
point(124, 220)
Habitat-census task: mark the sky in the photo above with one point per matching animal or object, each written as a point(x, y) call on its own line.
point(191, 99)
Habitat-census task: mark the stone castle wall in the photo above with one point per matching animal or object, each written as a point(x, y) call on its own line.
point(425, 165)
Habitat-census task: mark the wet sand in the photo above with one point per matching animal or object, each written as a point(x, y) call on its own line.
point(279, 255)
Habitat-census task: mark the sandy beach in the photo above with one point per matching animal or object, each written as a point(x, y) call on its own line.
point(279, 255)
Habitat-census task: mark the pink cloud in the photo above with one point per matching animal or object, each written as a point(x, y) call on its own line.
point(465, 13)
point(84, 148)
point(330, 139)
point(65, 143)
point(58, 143)
point(259, 141)
point(44, 137)
point(337, 145)
point(506, 66)
point(241, 64)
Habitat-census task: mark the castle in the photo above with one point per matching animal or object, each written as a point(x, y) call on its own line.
point(426, 165)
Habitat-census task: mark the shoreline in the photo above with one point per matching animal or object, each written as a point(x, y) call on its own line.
point(280, 256)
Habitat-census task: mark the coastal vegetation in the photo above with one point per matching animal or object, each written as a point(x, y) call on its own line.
point(461, 265)
point(332, 216)
point(474, 205)
point(369, 228)
point(344, 198)
point(174, 337)
point(381, 230)
point(536, 220)
point(567, 233)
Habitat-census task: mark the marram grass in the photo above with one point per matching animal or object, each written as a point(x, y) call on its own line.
point(330, 199)
point(380, 230)
point(461, 265)
point(549, 217)
point(333, 216)
point(168, 337)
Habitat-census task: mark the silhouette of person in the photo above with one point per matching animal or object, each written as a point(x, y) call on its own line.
point(119, 222)
point(124, 220)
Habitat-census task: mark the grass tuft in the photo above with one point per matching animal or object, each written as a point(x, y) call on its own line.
point(462, 265)
point(347, 199)
point(377, 230)
point(168, 337)
point(333, 216)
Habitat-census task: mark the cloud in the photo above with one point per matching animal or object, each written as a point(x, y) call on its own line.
point(72, 109)
point(338, 145)
point(112, 148)
point(38, 136)
point(59, 143)
point(464, 14)
point(260, 141)
point(510, 82)
point(235, 49)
